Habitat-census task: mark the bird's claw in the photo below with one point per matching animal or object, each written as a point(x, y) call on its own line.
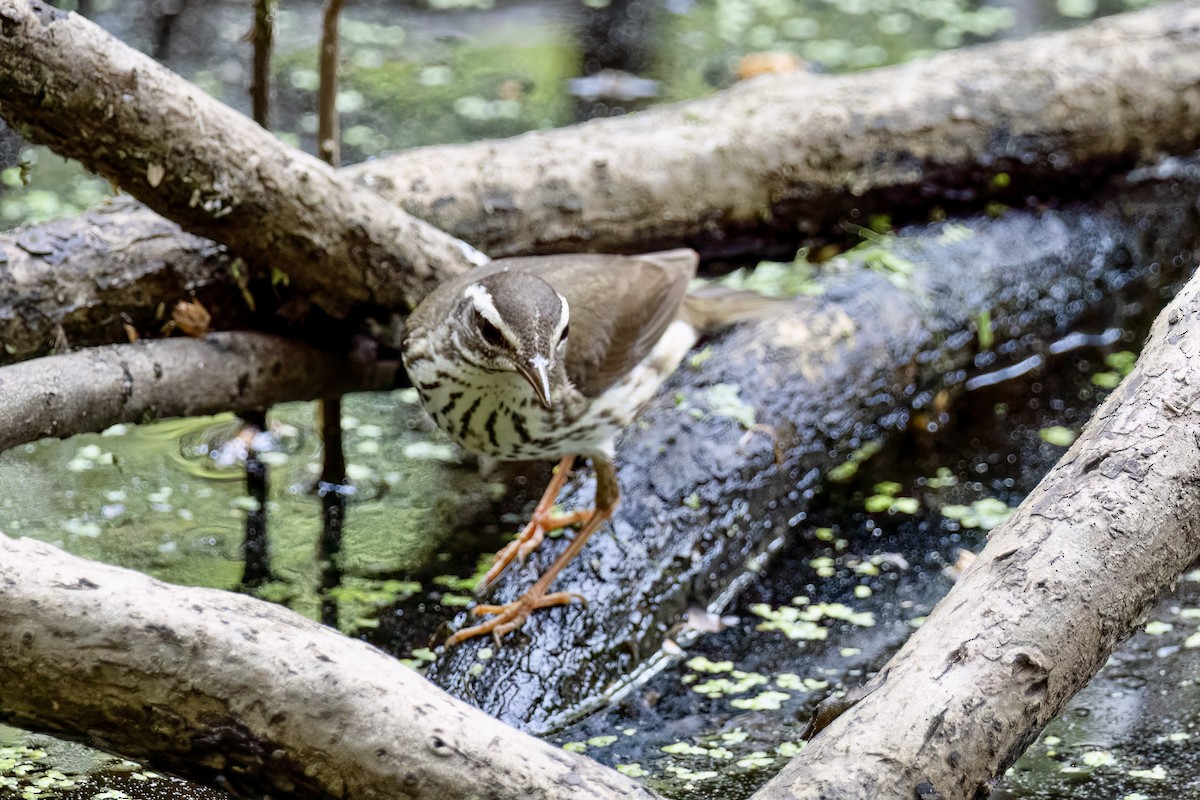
point(510, 616)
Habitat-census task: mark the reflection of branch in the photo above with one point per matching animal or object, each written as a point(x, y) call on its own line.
point(1061, 584)
point(86, 95)
point(228, 682)
point(329, 411)
point(92, 389)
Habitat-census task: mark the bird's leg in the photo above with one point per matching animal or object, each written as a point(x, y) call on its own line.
point(510, 616)
point(541, 522)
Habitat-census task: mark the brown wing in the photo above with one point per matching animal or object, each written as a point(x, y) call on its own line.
point(620, 306)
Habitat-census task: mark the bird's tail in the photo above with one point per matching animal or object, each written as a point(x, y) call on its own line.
point(712, 308)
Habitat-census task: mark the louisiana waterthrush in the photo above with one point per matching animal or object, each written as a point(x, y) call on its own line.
point(549, 357)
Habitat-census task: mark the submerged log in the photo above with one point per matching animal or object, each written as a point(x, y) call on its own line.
point(703, 497)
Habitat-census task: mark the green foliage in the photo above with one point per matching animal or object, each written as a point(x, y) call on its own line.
point(394, 97)
point(1058, 435)
point(778, 279)
point(983, 324)
point(984, 514)
point(887, 499)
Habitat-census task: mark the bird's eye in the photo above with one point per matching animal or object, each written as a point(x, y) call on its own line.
point(566, 329)
point(490, 333)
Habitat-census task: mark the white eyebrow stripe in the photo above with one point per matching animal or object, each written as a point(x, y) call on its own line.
point(563, 318)
point(481, 299)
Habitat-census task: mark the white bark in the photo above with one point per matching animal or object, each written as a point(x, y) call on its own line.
point(199, 677)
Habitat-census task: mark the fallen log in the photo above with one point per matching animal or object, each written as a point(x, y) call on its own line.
point(704, 498)
point(200, 679)
point(1057, 588)
point(90, 279)
point(752, 170)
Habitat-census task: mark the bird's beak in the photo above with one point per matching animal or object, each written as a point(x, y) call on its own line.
point(537, 372)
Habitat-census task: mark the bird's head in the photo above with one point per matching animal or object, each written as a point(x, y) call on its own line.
point(517, 322)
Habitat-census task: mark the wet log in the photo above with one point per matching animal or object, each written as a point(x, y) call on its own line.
point(85, 94)
point(1057, 588)
point(200, 679)
point(91, 389)
point(704, 498)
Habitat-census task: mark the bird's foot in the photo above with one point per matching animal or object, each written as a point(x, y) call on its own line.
point(510, 616)
point(529, 539)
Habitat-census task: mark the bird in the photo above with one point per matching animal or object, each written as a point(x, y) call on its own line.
point(550, 357)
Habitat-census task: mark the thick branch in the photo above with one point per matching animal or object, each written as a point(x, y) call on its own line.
point(94, 388)
point(1053, 593)
point(752, 169)
point(240, 685)
point(80, 281)
point(75, 88)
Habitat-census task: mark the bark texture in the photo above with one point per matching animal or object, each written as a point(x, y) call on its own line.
point(1055, 590)
point(702, 497)
point(188, 676)
point(80, 281)
point(91, 389)
point(753, 169)
point(73, 87)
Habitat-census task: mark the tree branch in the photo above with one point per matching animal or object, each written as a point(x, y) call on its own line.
point(1057, 588)
point(754, 169)
point(94, 388)
point(72, 86)
point(231, 683)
